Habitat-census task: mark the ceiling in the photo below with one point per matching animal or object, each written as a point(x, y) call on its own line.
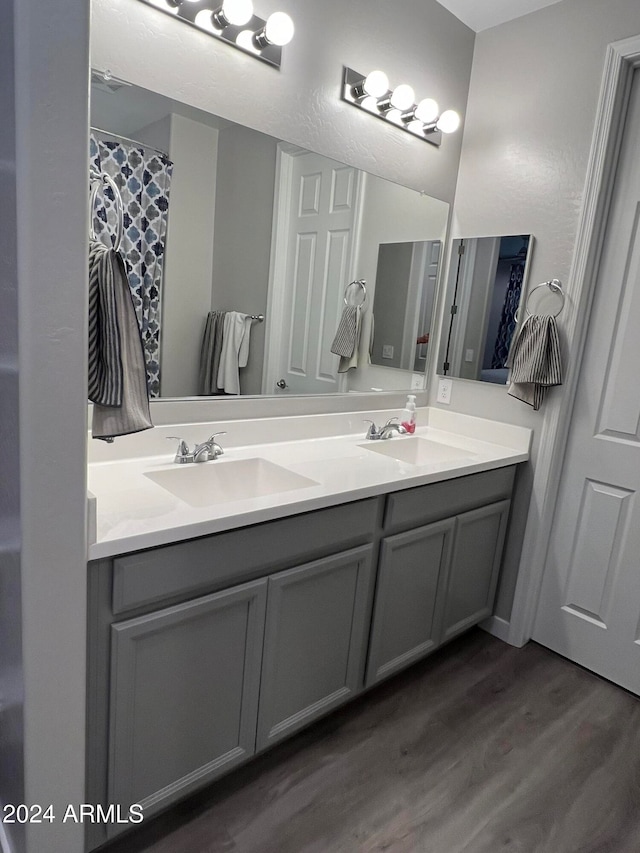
point(482, 14)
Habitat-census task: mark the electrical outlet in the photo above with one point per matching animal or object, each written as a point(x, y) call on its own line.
point(387, 351)
point(417, 381)
point(468, 357)
point(444, 391)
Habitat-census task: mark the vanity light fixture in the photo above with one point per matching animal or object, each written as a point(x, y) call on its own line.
point(234, 22)
point(397, 106)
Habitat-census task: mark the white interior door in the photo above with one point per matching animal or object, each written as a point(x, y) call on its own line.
point(589, 608)
point(314, 248)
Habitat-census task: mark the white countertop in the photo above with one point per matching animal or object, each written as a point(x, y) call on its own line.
point(133, 512)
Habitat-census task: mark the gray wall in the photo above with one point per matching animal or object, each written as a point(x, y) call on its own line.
point(392, 285)
point(418, 41)
point(44, 247)
point(189, 261)
point(528, 129)
point(11, 676)
point(242, 237)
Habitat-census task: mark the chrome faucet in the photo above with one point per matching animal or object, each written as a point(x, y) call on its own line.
point(385, 432)
point(204, 452)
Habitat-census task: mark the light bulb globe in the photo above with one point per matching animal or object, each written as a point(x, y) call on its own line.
point(402, 97)
point(376, 84)
point(279, 29)
point(238, 12)
point(427, 110)
point(449, 121)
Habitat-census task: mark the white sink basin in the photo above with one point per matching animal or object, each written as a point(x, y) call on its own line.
point(207, 483)
point(417, 451)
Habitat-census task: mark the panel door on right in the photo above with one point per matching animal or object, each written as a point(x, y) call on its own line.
point(475, 565)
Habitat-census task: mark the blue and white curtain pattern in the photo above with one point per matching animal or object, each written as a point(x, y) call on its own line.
point(143, 177)
point(508, 319)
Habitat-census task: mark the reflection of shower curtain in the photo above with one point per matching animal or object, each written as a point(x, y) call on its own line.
point(508, 318)
point(143, 178)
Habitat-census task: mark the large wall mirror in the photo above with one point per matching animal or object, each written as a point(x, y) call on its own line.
point(487, 278)
point(220, 218)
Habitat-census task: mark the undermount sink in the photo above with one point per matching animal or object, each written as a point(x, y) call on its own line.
point(417, 451)
point(207, 483)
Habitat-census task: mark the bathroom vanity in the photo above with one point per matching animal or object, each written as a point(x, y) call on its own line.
point(208, 650)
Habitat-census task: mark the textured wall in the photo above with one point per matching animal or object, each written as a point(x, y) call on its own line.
point(529, 124)
point(414, 40)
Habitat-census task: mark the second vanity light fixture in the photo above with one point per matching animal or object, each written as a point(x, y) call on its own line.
point(233, 21)
point(398, 106)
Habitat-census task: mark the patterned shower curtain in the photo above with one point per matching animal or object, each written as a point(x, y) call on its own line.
point(143, 177)
point(508, 318)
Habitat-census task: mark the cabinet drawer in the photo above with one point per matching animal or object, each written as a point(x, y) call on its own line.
point(214, 562)
point(425, 504)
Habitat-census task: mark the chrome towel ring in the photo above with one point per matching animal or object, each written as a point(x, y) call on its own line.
point(98, 182)
point(359, 292)
point(555, 286)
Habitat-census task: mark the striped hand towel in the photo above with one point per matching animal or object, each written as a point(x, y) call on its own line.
point(105, 357)
point(132, 415)
point(346, 338)
point(535, 360)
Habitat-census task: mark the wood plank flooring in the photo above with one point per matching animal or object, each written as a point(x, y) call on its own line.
point(481, 748)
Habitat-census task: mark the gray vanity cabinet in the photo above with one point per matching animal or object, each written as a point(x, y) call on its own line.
point(406, 619)
point(475, 565)
point(315, 641)
point(184, 695)
point(437, 575)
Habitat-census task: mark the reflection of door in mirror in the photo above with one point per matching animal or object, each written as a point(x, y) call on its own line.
point(404, 293)
point(318, 201)
point(486, 281)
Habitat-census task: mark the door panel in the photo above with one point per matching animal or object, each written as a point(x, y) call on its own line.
point(589, 608)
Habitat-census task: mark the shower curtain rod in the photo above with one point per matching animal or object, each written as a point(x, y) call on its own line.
point(128, 139)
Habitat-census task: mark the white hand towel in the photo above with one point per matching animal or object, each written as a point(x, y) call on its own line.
point(235, 351)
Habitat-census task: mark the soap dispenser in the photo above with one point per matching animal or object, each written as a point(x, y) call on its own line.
point(408, 416)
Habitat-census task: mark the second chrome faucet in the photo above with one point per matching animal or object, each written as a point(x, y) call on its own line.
point(204, 452)
point(385, 432)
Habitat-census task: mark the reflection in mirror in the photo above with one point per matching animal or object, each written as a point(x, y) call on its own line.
point(487, 277)
point(405, 288)
point(258, 227)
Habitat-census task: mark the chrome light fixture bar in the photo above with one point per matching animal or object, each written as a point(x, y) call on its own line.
point(234, 22)
point(398, 106)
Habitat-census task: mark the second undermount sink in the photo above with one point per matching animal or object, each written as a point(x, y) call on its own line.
point(208, 483)
point(417, 450)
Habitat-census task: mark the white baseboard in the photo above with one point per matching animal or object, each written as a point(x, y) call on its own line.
point(497, 627)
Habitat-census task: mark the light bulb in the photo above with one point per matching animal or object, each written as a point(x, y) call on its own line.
point(245, 40)
point(394, 116)
point(166, 6)
point(376, 84)
point(417, 127)
point(237, 12)
point(204, 21)
point(279, 29)
point(402, 97)
point(449, 121)
point(369, 103)
point(427, 110)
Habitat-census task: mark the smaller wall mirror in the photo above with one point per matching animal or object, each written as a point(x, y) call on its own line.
point(487, 278)
point(406, 279)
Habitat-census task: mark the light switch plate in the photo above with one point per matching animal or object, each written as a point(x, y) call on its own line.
point(387, 350)
point(468, 357)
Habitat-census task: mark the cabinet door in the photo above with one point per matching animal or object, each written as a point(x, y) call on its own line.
point(475, 565)
point(406, 615)
point(184, 694)
point(315, 641)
